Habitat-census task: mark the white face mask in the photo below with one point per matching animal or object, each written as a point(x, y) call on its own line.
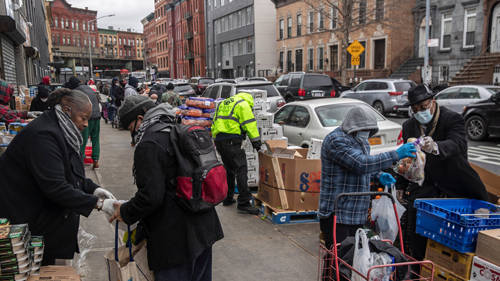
point(423, 117)
point(44, 99)
point(363, 135)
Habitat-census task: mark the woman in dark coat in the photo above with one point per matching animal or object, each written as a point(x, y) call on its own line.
point(42, 177)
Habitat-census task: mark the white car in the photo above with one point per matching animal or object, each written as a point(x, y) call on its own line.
point(456, 98)
point(303, 120)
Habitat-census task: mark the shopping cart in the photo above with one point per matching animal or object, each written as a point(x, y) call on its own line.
point(329, 262)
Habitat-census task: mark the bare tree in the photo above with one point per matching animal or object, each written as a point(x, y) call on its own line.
point(350, 16)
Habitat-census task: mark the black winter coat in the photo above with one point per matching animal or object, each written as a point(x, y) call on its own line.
point(117, 94)
point(449, 171)
point(38, 105)
point(42, 183)
point(174, 236)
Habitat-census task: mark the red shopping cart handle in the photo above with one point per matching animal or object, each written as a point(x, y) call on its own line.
point(361, 194)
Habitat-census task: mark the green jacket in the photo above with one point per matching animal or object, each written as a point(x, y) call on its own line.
point(172, 98)
point(234, 115)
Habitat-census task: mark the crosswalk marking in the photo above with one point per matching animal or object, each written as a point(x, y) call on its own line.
point(485, 154)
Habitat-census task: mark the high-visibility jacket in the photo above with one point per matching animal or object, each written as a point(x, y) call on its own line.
point(234, 116)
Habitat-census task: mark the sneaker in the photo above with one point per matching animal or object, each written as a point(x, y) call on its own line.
point(96, 164)
point(248, 209)
point(228, 202)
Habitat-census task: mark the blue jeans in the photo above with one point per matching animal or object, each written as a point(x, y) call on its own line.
point(111, 112)
point(200, 269)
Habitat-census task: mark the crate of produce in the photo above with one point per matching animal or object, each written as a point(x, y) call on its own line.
point(455, 223)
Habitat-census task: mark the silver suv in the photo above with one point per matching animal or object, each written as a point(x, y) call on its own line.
point(225, 90)
point(385, 95)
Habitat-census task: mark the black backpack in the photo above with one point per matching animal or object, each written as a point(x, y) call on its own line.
point(201, 178)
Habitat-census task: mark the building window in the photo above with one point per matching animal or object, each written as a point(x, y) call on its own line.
point(289, 27)
point(72, 24)
point(289, 66)
point(333, 21)
point(469, 28)
point(282, 26)
point(446, 31)
point(250, 45)
point(298, 60)
point(444, 73)
point(311, 22)
point(320, 58)
point(310, 57)
point(321, 22)
point(379, 9)
point(299, 25)
point(362, 12)
point(56, 22)
point(280, 62)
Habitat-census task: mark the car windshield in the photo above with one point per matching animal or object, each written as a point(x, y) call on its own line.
point(493, 90)
point(317, 81)
point(271, 90)
point(182, 88)
point(403, 86)
point(332, 115)
point(206, 81)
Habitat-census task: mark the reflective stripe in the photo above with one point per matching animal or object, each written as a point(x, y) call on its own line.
point(217, 111)
point(255, 139)
point(228, 118)
point(248, 121)
point(234, 106)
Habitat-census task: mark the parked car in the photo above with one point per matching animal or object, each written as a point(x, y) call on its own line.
point(303, 120)
point(483, 118)
point(219, 80)
point(257, 79)
point(184, 90)
point(385, 95)
point(199, 84)
point(339, 87)
point(226, 90)
point(302, 85)
point(456, 97)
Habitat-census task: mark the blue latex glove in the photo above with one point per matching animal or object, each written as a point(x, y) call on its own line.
point(386, 179)
point(407, 150)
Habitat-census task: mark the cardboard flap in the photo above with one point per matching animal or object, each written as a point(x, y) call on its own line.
point(280, 149)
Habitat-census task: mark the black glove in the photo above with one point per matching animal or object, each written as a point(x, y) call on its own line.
point(256, 145)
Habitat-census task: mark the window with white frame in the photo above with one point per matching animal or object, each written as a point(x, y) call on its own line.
point(379, 9)
point(320, 58)
point(446, 31)
point(282, 26)
point(321, 22)
point(310, 22)
point(310, 58)
point(444, 73)
point(333, 20)
point(299, 25)
point(469, 27)
point(289, 27)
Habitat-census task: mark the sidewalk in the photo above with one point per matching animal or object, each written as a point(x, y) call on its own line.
point(252, 249)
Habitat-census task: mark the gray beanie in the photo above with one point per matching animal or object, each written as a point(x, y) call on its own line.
point(132, 107)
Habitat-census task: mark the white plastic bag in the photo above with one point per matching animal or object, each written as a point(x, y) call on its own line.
point(412, 169)
point(361, 261)
point(383, 273)
point(383, 215)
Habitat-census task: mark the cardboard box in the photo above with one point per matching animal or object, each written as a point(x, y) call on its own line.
point(270, 133)
point(491, 182)
point(314, 151)
point(440, 274)
point(488, 245)
point(300, 201)
point(483, 270)
point(56, 273)
point(451, 260)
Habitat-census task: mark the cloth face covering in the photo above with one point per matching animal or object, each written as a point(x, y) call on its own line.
point(71, 133)
point(363, 134)
point(424, 117)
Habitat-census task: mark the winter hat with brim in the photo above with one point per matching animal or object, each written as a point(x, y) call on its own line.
point(132, 107)
point(358, 119)
point(418, 94)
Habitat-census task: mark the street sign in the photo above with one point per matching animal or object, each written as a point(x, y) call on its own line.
point(433, 43)
point(355, 49)
point(355, 60)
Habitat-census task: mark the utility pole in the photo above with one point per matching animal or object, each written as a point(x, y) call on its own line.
point(426, 74)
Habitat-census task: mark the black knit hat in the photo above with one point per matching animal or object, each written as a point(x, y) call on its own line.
point(132, 107)
point(418, 94)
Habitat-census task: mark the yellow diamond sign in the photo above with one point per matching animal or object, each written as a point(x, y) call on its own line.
point(355, 49)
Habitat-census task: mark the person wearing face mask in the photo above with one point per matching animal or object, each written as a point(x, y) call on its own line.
point(447, 170)
point(347, 166)
point(40, 103)
point(43, 179)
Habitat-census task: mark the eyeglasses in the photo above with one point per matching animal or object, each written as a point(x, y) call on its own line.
point(422, 106)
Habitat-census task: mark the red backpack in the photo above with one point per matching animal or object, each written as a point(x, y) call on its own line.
point(201, 178)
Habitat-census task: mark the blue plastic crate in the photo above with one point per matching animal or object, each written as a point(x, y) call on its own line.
point(444, 221)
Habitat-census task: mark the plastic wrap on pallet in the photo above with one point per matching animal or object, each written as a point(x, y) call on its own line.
point(253, 163)
point(252, 156)
point(261, 106)
point(314, 151)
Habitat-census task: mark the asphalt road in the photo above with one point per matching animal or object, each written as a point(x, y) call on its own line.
point(483, 153)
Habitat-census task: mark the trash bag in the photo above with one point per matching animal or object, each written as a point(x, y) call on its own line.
point(383, 215)
point(412, 169)
point(361, 260)
point(80, 262)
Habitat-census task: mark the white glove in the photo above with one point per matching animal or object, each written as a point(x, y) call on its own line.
point(430, 146)
point(108, 207)
point(103, 193)
point(34, 114)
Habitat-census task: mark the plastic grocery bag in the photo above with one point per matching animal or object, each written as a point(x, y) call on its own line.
point(383, 215)
point(412, 169)
point(361, 260)
point(382, 273)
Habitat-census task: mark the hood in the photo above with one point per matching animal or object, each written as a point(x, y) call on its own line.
point(43, 92)
point(46, 80)
point(247, 97)
point(73, 83)
point(358, 120)
point(163, 109)
point(134, 82)
point(113, 81)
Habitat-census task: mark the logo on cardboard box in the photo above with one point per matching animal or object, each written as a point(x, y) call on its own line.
point(311, 181)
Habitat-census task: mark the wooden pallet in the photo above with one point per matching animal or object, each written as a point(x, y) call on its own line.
point(279, 216)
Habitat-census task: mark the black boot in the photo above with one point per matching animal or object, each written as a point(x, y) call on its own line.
point(247, 208)
point(228, 202)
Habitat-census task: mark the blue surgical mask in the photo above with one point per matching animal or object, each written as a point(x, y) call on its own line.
point(363, 135)
point(423, 117)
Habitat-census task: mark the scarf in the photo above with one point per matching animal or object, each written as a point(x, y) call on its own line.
point(71, 133)
point(144, 126)
point(433, 123)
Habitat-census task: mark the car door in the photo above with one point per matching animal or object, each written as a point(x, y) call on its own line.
point(445, 97)
point(366, 93)
point(294, 84)
point(295, 127)
point(356, 91)
point(282, 85)
point(493, 116)
point(466, 96)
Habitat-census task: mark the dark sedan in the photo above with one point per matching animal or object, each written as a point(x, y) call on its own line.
point(483, 118)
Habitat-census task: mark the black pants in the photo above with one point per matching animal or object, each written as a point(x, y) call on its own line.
point(343, 231)
point(235, 162)
point(200, 269)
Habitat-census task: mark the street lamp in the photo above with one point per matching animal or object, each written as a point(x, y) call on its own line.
point(90, 43)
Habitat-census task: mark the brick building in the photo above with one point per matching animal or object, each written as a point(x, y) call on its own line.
point(119, 44)
point(149, 38)
point(180, 38)
point(308, 37)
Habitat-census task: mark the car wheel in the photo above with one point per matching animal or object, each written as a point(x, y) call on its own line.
point(379, 107)
point(289, 98)
point(476, 128)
